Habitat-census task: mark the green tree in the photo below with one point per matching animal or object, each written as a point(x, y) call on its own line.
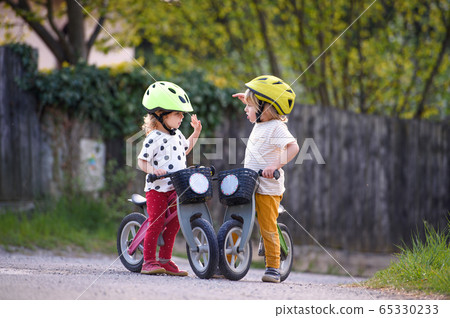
point(393, 60)
point(68, 43)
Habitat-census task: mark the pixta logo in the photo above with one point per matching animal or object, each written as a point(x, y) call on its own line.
point(309, 151)
point(133, 147)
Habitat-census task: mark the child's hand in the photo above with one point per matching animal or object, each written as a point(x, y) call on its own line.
point(241, 96)
point(159, 172)
point(268, 172)
point(196, 124)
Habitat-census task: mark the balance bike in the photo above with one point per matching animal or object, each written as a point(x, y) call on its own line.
point(237, 191)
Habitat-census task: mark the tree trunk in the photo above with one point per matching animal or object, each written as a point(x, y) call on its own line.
point(445, 44)
point(274, 67)
point(362, 93)
point(75, 28)
point(67, 44)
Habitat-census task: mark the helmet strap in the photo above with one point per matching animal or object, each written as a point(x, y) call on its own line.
point(259, 112)
point(172, 131)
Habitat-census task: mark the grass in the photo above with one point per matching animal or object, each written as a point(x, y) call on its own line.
point(80, 221)
point(77, 218)
point(424, 266)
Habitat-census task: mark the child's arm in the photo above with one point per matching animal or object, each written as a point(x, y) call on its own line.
point(287, 155)
point(197, 125)
point(148, 168)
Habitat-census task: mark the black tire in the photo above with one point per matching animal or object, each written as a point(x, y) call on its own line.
point(204, 261)
point(126, 233)
point(233, 264)
point(286, 264)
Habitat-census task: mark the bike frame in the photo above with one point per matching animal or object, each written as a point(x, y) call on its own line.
point(246, 213)
point(140, 235)
point(186, 214)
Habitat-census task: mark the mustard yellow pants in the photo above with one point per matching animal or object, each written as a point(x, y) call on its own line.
point(267, 211)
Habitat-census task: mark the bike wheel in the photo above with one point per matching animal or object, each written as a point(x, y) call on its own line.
point(233, 264)
point(204, 260)
point(125, 235)
point(286, 264)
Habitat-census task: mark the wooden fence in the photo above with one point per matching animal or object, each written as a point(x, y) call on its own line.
point(20, 162)
point(382, 177)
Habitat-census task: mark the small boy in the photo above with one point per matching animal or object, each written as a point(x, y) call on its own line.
point(267, 101)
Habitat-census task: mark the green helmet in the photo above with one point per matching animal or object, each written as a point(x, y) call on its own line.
point(166, 96)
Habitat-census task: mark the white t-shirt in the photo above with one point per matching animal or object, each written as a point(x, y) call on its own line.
point(166, 152)
point(264, 147)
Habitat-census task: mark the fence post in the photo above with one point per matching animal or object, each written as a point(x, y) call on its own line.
point(19, 134)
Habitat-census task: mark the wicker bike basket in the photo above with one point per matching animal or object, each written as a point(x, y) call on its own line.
point(180, 180)
point(247, 179)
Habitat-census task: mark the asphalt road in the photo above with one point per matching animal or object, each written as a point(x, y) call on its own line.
point(43, 275)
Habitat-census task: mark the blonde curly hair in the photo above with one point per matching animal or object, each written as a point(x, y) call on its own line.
point(150, 122)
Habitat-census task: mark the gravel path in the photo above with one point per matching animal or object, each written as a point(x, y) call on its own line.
point(44, 275)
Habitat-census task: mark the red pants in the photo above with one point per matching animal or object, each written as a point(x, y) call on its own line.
point(158, 208)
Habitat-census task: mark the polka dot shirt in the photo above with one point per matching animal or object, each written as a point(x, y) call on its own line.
point(166, 152)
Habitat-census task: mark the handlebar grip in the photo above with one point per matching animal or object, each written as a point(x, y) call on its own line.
point(276, 174)
point(154, 177)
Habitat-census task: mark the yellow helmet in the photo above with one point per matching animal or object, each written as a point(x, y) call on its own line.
point(274, 91)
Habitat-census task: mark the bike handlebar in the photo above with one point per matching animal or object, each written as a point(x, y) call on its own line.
point(154, 177)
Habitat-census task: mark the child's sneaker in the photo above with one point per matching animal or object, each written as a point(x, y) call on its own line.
point(152, 268)
point(272, 275)
point(172, 269)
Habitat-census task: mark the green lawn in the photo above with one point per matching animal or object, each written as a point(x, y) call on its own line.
point(79, 221)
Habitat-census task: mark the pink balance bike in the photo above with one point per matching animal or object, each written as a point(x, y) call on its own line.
point(193, 187)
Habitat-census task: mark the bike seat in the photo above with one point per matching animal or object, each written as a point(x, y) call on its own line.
point(138, 199)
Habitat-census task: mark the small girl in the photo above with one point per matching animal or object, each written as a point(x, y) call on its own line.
point(267, 101)
point(164, 151)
